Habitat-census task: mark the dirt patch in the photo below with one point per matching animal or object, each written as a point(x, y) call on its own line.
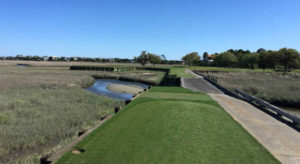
point(78, 151)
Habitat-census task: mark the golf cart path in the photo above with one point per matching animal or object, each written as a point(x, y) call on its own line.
point(278, 138)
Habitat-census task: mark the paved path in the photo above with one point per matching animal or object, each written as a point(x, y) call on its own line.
point(199, 84)
point(281, 140)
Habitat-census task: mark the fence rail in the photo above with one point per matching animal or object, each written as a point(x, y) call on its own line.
point(212, 78)
point(248, 98)
point(294, 119)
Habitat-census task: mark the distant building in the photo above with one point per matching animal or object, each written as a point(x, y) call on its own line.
point(52, 58)
point(19, 56)
point(73, 59)
point(45, 58)
point(65, 59)
point(208, 59)
point(112, 60)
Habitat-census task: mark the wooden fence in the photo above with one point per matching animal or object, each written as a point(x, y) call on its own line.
point(239, 94)
point(294, 119)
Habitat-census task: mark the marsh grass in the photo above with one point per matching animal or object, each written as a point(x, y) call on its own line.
point(55, 63)
point(149, 77)
point(42, 107)
point(230, 69)
point(277, 88)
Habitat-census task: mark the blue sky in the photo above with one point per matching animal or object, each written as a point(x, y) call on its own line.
point(115, 28)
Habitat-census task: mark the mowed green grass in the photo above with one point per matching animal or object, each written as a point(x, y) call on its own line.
point(179, 71)
point(170, 125)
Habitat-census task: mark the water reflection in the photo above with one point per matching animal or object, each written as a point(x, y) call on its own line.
point(99, 87)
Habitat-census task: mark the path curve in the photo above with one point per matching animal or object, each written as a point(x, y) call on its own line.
point(278, 138)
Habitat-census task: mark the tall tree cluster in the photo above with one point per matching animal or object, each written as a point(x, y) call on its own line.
point(151, 58)
point(285, 58)
point(191, 59)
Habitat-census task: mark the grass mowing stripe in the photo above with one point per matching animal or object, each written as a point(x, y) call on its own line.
point(172, 90)
point(164, 131)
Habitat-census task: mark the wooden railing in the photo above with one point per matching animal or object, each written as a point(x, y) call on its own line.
point(239, 94)
point(294, 119)
point(212, 78)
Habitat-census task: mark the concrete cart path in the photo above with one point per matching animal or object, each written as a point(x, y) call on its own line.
point(199, 84)
point(281, 140)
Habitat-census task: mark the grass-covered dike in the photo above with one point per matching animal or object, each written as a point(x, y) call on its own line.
point(170, 125)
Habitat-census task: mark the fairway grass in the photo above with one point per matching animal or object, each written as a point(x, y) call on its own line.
point(179, 71)
point(170, 125)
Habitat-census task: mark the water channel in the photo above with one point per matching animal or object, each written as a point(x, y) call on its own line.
point(100, 88)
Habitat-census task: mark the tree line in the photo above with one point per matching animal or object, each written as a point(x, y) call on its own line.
point(67, 59)
point(285, 59)
point(151, 58)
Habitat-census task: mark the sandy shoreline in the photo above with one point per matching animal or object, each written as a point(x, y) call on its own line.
point(124, 88)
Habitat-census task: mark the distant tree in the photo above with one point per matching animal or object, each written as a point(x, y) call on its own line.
point(28, 58)
point(126, 60)
point(96, 59)
point(263, 60)
point(273, 59)
point(249, 60)
point(239, 53)
point(231, 51)
point(225, 59)
point(154, 59)
point(205, 56)
point(288, 58)
point(191, 58)
point(163, 57)
point(103, 60)
point(143, 58)
point(205, 59)
point(261, 50)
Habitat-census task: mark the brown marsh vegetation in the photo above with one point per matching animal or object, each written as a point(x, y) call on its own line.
point(281, 89)
point(43, 107)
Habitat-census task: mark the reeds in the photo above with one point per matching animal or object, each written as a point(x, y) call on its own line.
point(41, 107)
point(277, 88)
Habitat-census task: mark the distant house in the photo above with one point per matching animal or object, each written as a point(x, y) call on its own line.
point(52, 58)
point(19, 56)
point(208, 59)
point(73, 59)
point(65, 59)
point(112, 60)
point(45, 58)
